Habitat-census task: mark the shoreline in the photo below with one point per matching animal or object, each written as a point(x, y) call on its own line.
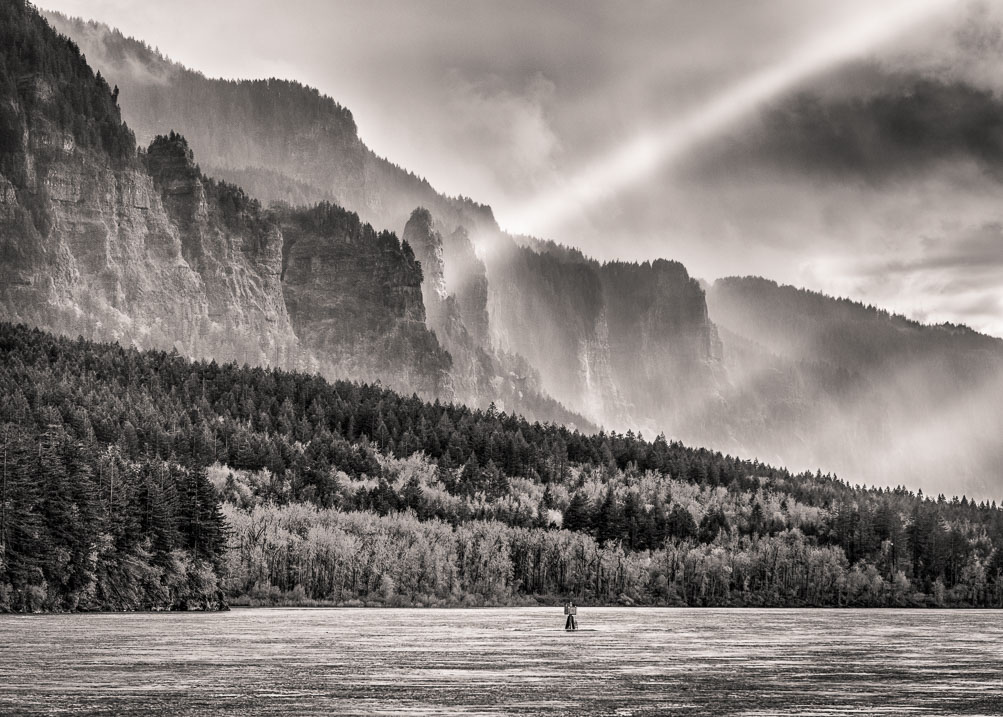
point(556, 607)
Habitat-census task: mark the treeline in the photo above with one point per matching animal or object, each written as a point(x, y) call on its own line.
point(118, 466)
point(84, 528)
point(302, 555)
point(46, 71)
point(627, 538)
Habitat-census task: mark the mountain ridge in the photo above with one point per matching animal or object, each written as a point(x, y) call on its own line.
point(573, 321)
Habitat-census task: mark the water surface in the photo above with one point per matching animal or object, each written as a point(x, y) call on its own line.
point(505, 661)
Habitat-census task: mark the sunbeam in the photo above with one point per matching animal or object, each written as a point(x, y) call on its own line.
point(652, 150)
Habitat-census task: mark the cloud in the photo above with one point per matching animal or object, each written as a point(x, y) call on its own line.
point(979, 248)
point(952, 277)
point(505, 131)
point(969, 48)
point(973, 257)
point(907, 125)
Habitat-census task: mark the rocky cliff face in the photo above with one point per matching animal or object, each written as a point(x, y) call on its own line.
point(466, 279)
point(470, 364)
point(631, 345)
point(665, 353)
point(355, 297)
point(144, 249)
point(95, 246)
point(229, 243)
point(456, 300)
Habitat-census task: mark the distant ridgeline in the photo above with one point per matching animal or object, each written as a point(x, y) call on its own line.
point(136, 480)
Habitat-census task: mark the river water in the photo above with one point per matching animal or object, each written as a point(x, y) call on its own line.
point(505, 661)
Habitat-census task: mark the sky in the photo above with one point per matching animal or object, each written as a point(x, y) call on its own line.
point(854, 148)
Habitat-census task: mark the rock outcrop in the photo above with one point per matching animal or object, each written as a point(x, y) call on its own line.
point(355, 298)
point(465, 277)
point(226, 239)
point(456, 300)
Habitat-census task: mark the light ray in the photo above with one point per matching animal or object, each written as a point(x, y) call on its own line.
point(653, 150)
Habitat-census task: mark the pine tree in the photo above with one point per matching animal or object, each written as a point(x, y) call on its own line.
point(578, 515)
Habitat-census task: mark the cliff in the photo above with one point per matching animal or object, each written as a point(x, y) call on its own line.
point(141, 247)
point(94, 242)
point(553, 312)
point(630, 344)
point(456, 297)
point(232, 246)
point(471, 365)
point(518, 320)
point(665, 353)
point(355, 297)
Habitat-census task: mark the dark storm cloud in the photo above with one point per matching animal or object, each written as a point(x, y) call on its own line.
point(901, 127)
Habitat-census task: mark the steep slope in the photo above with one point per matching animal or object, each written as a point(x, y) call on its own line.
point(664, 351)
point(145, 249)
point(354, 296)
point(629, 343)
point(456, 297)
point(552, 311)
point(100, 241)
point(875, 393)
point(472, 368)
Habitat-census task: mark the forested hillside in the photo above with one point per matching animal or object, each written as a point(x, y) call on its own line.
point(141, 479)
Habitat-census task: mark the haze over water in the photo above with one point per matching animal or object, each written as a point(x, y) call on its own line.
point(505, 661)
